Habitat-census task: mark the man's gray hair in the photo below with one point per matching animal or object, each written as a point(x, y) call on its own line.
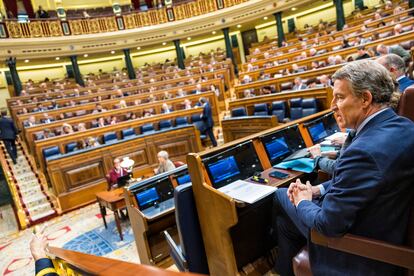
point(163, 154)
point(393, 60)
point(368, 75)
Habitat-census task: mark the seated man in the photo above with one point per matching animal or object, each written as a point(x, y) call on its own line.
point(396, 66)
point(116, 172)
point(371, 187)
point(165, 165)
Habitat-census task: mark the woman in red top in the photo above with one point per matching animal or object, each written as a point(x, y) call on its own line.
point(116, 172)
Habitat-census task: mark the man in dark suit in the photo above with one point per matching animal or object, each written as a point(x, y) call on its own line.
point(396, 66)
point(8, 134)
point(207, 118)
point(371, 187)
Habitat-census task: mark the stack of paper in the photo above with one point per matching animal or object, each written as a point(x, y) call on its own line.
point(246, 191)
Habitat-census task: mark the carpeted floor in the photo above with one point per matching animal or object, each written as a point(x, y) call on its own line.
point(81, 230)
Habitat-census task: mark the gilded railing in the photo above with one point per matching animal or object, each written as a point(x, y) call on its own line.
point(56, 27)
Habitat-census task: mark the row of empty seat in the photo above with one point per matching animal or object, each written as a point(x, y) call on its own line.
point(112, 137)
point(297, 108)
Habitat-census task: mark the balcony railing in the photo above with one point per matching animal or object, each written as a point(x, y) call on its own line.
point(57, 27)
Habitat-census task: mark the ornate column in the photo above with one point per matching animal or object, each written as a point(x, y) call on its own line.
point(229, 50)
point(76, 71)
point(279, 26)
point(340, 16)
point(180, 54)
point(129, 65)
point(11, 62)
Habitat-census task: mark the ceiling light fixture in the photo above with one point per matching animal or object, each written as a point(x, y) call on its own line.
point(112, 52)
point(26, 60)
point(57, 58)
point(188, 38)
point(293, 9)
point(213, 32)
point(164, 43)
point(239, 26)
point(138, 48)
point(85, 55)
point(265, 18)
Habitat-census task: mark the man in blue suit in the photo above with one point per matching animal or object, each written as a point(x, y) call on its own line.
point(371, 187)
point(8, 133)
point(207, 118)
point(396, 66)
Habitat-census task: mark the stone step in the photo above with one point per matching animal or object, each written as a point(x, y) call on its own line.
point(42, 215)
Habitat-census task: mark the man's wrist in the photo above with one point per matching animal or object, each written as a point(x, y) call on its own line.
point(297, 205)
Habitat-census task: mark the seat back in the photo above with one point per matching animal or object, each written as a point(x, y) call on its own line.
point(195, 118)
point(261, 109)
point(165, 124)
point(51, 151)
point(295, 108)
point(80, 112)
point(309, 106)
point(109, 137)
point(286, 86)
point(180, 121)
point(238, 112)
point(279, 109)
point(188, 225)
point(72, 146)
point(39, 135)
point(406, 103)
point(127, 132)
point(147, 128)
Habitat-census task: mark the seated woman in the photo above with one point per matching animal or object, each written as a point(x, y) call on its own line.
point(165, 165)
point(116, 172)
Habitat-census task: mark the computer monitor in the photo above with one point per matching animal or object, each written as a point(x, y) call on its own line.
point(317, 132)
point(183, 179)
point(224, 169)
point(277, 148)
point(322, 127)
point(123, 180)
point(237, 162)
point(154, 192)
point(281, 143)
point(147, 198)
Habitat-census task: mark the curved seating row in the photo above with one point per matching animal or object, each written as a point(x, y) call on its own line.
point(129, 133)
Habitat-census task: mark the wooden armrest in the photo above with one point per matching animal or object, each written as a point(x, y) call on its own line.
point(369, 248)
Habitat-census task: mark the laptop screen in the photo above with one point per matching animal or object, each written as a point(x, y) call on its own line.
point(147, 198)
point(224, 169)
point(277, 148)
point(184, 179)
point(318, 132)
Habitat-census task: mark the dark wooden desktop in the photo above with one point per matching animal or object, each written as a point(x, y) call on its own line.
point(114, 201)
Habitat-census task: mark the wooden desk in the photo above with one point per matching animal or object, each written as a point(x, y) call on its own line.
point(114, 201)
point(275, 182)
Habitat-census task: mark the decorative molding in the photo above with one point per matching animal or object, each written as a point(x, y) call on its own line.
point(94, 41)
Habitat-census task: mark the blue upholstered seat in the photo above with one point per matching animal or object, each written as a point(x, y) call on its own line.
point(190, 255)
point(195, 118)
point(51, 151)
point(295, 108)
point(127, 133)
point(72, 146)
point(261, 109)
point(181, 121)
point(147, 128)
point(238, 112)
point(109, 137)
point(279, 109)
point(309, 107)
point(164, 124)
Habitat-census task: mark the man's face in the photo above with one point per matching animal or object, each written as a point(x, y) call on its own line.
point(350, 110)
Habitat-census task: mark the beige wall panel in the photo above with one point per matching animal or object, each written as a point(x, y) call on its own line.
point(106, 66)
point(269, 31)
point(41, 73)
point(156, 57)
point(205, 47)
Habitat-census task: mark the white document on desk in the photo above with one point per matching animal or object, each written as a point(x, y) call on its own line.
point(328, 140)
point(246, 191)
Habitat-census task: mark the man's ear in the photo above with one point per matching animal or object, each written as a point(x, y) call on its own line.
point(366, 98)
